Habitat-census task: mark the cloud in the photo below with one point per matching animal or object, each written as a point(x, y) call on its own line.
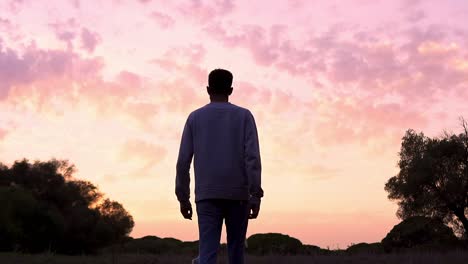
point(415, 68)
point(163, 20)
point(65, 31)
point(184, 61)
point(415, 15)
point(270, 47)
point(365, 123)
point(31, 79)
point(253, 37)
point(204, 11)
point(33, 64)
point(145, 153)
point(76, 3)
point(15, 5)
point(68, 30)
point(89, 40)
point(5, 23)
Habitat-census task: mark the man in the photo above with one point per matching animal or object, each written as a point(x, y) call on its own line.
point(223, 139)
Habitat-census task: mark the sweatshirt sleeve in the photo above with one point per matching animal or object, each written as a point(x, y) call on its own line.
point(253, 164)
point(184, 160)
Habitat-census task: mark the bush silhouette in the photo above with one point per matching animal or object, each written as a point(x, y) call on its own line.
point(273, 243)
point(157, 245)
point(366, 248)
point(313, 250)
point(45, 209)
point(419, 232)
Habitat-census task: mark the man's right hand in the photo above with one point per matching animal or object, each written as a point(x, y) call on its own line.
point(254, 209)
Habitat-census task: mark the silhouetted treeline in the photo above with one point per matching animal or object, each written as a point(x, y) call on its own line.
point(413, 234)
point(258, 244)
point(43, 208)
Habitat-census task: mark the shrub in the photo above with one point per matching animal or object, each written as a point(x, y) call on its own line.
point(419, 232)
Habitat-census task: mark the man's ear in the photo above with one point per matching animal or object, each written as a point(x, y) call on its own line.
point(208, 90)
point(230, 91)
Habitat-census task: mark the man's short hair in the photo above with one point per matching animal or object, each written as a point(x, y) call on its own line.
point(220, 80)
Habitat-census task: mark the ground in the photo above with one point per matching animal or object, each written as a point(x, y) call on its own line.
point(456, 257)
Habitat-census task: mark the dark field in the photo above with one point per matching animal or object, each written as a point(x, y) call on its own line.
point(412, 258)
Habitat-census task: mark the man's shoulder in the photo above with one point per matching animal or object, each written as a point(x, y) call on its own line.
point(207, 107)
point(240, 108)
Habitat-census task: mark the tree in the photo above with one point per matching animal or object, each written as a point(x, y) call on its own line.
point(433, 178)
point(25, 223)
point(45, 208)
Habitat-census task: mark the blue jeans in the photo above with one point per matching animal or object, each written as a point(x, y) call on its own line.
point(211, 213)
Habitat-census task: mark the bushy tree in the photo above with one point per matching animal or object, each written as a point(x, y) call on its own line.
point(44, 208)
point(433, 178)
point(419, 232)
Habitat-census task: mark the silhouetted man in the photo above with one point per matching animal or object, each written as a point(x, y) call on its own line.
point(223, 139)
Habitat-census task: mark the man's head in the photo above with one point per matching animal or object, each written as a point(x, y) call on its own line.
point(219, 82)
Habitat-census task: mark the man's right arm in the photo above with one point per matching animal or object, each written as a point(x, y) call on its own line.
point(183, 165)
point(252, 159)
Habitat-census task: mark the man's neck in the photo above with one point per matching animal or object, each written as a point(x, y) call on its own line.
point(219, 99)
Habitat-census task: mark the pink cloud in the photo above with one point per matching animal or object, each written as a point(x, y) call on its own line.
point(44, 74)
point(163, 20)
point(89, 40)
point(364, 122)
point(35, 77)
point(76, 3)
point(373, 63)
point(184, 61)
point(204, 11)
point(129, 79)
point(416, 16)
point(33, 64)
point(15, 5)
point(65, 31)
point(271, 47)
point(5, 23)
point(252, 37)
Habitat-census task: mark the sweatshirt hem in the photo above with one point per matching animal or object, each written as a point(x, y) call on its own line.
point(228, 194)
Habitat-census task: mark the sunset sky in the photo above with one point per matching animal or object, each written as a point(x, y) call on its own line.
point(333, 85)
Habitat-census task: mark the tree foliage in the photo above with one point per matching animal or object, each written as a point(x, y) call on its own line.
point(45, 209)
point(433, 178)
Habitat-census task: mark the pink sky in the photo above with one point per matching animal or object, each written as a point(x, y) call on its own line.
point(108, 84)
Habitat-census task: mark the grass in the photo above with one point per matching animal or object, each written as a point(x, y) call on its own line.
point(455, 257)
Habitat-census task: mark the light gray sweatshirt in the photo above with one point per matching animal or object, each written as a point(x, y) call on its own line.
point(223, 139)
